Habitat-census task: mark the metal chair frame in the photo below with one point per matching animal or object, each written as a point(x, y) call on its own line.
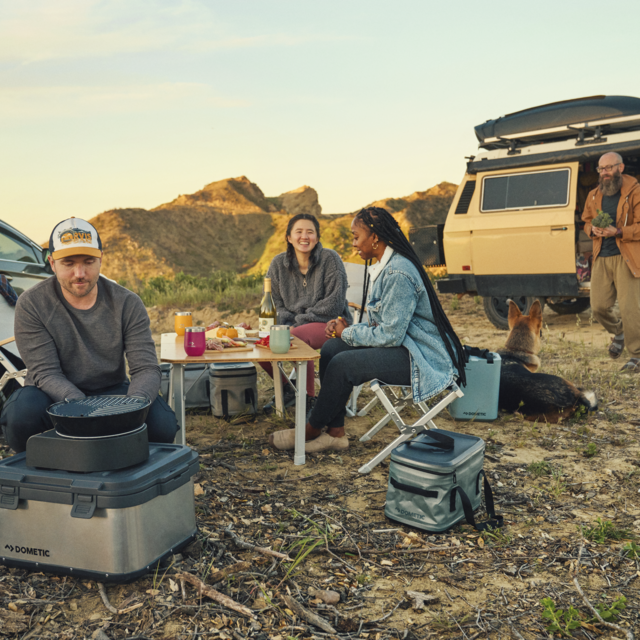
point(393, 408)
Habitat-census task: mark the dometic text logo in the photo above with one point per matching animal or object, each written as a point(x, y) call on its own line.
point(29, 551)
point(75, 236)
point(402, 512)
point(474, 413)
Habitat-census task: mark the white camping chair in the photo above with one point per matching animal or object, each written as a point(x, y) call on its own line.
point(393, 407)
point(355, 277)
point(7, 341)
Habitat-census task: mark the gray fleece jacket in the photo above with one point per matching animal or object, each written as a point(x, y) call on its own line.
point(71, 352)
point(323, 298)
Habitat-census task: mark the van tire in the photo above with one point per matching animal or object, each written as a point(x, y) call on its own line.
point(497, 308)
point(570, 307)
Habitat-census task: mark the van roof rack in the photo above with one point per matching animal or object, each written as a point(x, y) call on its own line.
point(560, 121)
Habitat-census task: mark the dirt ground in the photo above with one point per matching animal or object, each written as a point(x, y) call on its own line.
point(550, 482)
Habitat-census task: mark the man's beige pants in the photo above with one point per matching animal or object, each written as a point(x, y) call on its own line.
point(611, 279)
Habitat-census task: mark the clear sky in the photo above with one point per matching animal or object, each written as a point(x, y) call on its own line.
point(129, 103)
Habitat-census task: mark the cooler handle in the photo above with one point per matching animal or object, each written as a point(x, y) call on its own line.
point(425, 493)
point(485, 354)
point(446, 443)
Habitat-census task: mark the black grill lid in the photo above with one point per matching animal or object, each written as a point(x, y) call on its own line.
point(98, 406)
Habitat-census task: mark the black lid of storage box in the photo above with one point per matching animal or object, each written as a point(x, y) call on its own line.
point(167, 467)
point(420, 454)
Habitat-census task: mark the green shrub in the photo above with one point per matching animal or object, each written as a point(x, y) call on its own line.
point(222, 288)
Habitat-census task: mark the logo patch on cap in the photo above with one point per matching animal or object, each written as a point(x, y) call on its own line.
point(75, 236)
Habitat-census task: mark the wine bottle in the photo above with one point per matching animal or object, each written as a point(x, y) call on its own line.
point(267, 315)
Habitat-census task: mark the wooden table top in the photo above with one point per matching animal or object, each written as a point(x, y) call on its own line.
point(172, 350)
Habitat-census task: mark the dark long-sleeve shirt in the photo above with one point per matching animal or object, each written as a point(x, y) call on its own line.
point(71, 352)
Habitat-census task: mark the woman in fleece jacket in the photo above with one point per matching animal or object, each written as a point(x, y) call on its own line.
point(309, 288)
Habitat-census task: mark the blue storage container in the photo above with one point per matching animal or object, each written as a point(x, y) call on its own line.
point(480, 400)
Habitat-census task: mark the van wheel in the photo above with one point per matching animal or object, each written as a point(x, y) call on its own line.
point(497, 309)
point(570, 307)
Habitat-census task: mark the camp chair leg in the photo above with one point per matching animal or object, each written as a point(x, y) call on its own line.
point(407, 431)
point(367, 407)
point(378, 458)
point(378, 425)
point(352, 404)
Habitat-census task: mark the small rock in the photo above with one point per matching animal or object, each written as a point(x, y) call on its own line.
point(73, 605)
point(327, 596)
point(510, 570)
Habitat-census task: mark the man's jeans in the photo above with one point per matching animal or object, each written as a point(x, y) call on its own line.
point(25, 414)
point(343, 367)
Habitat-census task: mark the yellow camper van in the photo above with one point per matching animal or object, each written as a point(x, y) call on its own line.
point(513, 230)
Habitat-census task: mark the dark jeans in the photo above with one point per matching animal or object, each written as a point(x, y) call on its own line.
point(343, 367)
point(25, 414)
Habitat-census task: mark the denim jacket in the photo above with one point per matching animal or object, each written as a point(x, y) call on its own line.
point(400, 315)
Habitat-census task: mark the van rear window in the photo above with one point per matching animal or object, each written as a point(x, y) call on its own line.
point(526, 190)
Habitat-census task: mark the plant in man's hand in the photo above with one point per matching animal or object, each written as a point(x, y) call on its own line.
point(602, 220)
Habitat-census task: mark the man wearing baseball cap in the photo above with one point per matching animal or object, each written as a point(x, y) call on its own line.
point(73, 331)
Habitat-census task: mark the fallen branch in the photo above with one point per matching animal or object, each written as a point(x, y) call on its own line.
point(211, 593)
point(252, 547)
point(110, 607)
point(593, 610)
point(307, 615)
point(238, 567)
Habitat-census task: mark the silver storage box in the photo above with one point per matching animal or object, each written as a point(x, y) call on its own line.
point(196, 384)
point(234, 388)
point(106, 526)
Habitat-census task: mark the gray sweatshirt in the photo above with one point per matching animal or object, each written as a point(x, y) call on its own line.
point(323, 299)
point(71, 352)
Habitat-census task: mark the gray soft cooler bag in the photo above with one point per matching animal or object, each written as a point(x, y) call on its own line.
point(196, 384)
point(434, 481)
point(234, 388)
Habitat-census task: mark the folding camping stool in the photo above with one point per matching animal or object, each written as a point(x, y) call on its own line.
point(407, 431)
point(10, 371)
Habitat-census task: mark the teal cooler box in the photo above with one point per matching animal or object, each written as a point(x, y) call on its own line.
point(480, 400)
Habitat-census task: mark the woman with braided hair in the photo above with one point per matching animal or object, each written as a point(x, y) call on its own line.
point(407, 339)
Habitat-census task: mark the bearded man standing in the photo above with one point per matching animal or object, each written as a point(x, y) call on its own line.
point(616, 257)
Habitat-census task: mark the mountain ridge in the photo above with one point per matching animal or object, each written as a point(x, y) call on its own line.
point(230, 225)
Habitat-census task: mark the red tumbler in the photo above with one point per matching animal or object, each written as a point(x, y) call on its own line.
point(195, 342)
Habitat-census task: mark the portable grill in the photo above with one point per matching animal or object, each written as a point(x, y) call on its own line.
point(93, 498)
point(96, 433)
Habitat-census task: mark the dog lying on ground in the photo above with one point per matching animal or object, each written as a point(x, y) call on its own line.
point(538, 396)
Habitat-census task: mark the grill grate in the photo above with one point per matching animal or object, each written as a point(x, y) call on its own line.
point(98, 406)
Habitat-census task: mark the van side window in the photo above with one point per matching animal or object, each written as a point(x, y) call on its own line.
point(526, 190)
point(13, 249)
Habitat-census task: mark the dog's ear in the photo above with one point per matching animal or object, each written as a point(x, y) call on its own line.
point(536, 311)
point(514, 313)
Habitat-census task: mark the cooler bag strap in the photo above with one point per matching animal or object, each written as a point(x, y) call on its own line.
point(224, 397)
point(485, 354)
point(417, 490)
point(494, 521)
point(446, 443)
point(250, 398)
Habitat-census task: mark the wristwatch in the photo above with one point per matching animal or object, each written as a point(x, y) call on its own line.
point(618, 233)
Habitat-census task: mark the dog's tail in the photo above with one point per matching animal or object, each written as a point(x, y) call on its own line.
point(589, 400)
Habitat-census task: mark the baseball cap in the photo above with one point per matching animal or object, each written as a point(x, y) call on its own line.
point(74, 237)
